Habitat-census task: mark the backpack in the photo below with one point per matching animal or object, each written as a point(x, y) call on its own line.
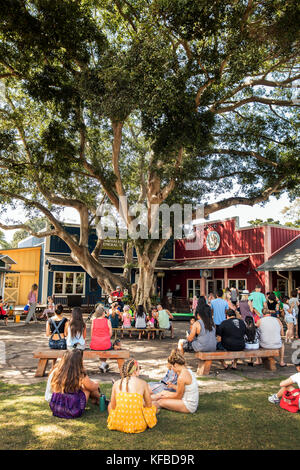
point(290, 400)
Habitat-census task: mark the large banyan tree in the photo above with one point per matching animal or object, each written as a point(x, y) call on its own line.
point(156, 101)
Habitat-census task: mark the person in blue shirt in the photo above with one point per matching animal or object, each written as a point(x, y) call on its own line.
point(219, 307)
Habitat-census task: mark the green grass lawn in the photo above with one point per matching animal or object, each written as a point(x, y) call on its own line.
point(226, 420)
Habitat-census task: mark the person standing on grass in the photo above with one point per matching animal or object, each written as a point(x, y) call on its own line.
point(270, 332)
point(219, 307)
point(186, 397)
point(69, 387)
point(32, 301)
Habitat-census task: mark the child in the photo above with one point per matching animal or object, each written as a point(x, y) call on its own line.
point(126, 317)
point(289, 319)
point(288, 384)
point(76, 330)
point(69, 387)
point(3, 312)
point(150, 324)
point(169, 382)
point(252, 334)
point(50, 308)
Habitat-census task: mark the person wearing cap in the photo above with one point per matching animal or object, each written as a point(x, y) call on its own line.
point(245, 306)
point(288, 384)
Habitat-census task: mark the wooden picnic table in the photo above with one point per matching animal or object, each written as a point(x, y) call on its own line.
point(159, 331)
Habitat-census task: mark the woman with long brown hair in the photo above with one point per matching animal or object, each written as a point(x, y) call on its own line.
point(130, 409)
point(76, 330)
point(69, 387)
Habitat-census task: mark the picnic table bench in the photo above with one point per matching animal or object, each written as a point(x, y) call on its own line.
point(206, 358)
point(160, 331)
point(53, 354)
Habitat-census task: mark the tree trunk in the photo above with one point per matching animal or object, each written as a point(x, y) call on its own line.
point(105, 278)
point(147, 259)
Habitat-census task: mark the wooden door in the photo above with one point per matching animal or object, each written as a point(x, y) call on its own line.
point(26, 282)
point(11, 288)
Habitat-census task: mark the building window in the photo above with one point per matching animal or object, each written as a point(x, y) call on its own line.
point(240, 284)
point(68, 283)
point(193, 288)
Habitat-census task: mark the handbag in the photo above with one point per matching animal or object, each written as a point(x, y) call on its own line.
point(290, 400)
point(57, 343)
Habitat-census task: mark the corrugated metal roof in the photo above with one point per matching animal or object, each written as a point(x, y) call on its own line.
point(211, 263)
point(288, 259)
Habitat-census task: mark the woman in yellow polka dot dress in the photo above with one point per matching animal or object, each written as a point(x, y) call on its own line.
point(130, 409)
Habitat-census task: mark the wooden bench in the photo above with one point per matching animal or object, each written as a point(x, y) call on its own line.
point(53, 354)
point(160, 331)
point(206, 358)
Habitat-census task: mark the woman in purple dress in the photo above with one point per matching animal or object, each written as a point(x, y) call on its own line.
point(69, 387)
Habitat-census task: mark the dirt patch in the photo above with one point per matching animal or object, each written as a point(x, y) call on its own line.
point(18, 366)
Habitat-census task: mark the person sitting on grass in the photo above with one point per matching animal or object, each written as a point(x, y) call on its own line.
point(186, 397)
point(232, 332)
point(168, 382)
point(130, 408)
point(202, 336)
point(76, 330)
point(69, 387)
point(270, 332)
point(287, 384)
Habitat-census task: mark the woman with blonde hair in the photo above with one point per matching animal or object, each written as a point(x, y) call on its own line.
point(131, 409)
point(186, 397)
point(69, 387)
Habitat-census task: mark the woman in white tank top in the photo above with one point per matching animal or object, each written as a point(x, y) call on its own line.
point(186, 397)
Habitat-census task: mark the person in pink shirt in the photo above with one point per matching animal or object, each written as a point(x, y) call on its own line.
point(126, 317)
point(32, 301)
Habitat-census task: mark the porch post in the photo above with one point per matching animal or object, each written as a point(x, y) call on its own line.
point(202, 286)
point(225, 278)
point(290, 283)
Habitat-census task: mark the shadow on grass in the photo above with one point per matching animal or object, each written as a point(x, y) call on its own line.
point(228, 420)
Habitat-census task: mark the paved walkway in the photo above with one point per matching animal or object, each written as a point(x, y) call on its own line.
point(20, 366)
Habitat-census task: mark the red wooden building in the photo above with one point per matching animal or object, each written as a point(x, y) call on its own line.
point(226, 255)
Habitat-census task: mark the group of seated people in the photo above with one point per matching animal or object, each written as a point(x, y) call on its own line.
point(209, 331)
point(134, 403)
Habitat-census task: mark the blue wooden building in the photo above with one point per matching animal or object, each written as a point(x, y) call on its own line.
point(61, 277)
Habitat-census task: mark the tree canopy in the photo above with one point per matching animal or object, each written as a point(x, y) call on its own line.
point(160, 101)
